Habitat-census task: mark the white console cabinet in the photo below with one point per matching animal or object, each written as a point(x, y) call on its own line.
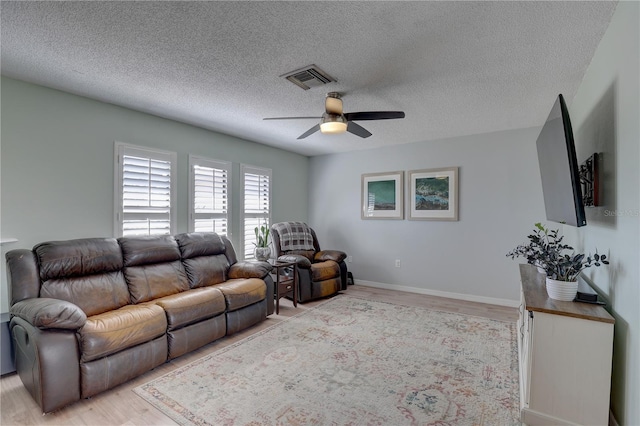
point(565, 352)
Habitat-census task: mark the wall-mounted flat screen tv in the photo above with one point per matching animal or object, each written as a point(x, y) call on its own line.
point(559, 168)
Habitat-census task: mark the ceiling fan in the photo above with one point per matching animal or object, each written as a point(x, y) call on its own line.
point(335, 121)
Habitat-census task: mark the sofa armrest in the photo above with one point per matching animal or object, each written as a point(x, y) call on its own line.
point(335, 255)
point(23, 276)
point(301, 261)
point(250, 269)
point(48, 363)
point(45, 313)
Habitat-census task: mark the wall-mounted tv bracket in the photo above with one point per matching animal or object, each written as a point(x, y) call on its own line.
point(590, 181)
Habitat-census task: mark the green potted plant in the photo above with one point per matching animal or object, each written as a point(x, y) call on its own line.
point(558, 260)
point(262, 251)
point(533, 251)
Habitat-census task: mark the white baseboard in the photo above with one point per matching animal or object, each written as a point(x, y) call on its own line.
point(535, 418)
point(467, 297)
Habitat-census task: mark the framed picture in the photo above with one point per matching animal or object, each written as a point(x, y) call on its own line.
point(433, 194)
point(383, 195)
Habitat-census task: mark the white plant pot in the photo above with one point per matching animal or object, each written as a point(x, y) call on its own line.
point(562, 290)
point(262, 253)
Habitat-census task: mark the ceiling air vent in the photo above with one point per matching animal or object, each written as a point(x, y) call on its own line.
point(308, 77)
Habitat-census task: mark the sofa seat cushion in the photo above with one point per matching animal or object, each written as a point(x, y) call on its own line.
point(243, 292)
point(113, 331)
point(192, 306)
point(324, 270)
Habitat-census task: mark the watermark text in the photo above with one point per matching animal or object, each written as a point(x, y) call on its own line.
point(623, 213)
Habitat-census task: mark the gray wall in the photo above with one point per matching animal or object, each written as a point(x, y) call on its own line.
point(500, 198)
point(57, 165)
point(605, 115)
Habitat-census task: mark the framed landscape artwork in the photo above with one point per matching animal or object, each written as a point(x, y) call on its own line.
point(382, 195)
point(433, 194)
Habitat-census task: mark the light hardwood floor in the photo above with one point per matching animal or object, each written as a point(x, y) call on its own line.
point(121, 406)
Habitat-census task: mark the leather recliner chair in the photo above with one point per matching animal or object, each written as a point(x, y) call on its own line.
point(321, 273)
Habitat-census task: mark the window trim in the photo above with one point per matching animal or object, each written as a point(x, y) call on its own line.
point(120, 148)
point(244, 169)
point(195, 160)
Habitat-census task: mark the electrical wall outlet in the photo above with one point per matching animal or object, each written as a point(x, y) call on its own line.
point(350, 259)
point(397, 263)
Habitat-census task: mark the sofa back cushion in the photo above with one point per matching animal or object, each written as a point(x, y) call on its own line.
point(207, 270)
point(94, 294)
point(152, 267)
point(73, 258)
point(204, 258)
point(86, 272)
point(196, 244)
point(146, 250)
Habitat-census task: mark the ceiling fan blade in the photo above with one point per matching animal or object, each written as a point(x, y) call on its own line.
point(292, 118)
point(357, 130)
point(310, 131)
point(373, 115)
point(333, 105)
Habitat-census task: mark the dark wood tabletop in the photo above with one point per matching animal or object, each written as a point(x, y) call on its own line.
point(537, 300)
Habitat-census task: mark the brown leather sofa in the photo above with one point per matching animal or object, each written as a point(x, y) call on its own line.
point(90, 314)
point(321, 273)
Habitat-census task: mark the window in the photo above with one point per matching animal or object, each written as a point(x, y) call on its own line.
point(209, 204)
point(144, 191)
point(256, 204)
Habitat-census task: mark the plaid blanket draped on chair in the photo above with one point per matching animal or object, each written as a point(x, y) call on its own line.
point(294, 236)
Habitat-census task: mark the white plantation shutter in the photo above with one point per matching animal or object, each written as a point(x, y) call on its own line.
point(144, 191)
point(256, 202)
point(210, 182)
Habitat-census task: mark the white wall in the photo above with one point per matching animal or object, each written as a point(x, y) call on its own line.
point(500, 199)
point(605, 115)
point(57, 166)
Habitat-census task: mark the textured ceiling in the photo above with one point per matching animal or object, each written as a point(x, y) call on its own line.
point(455, 68)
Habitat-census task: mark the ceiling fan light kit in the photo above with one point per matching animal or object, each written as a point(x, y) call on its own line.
point(333, 124)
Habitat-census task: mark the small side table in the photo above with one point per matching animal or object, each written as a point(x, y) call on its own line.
point(286, 281)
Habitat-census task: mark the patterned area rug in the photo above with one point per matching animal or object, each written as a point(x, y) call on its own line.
point(351, 361)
